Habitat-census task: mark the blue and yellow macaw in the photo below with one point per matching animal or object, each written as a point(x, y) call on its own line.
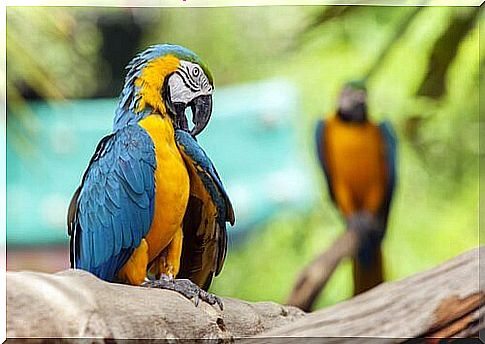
point(151, 206)
point(358, 158)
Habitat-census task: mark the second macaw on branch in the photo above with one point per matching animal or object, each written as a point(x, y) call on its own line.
point(151, 206)
point(358, 158)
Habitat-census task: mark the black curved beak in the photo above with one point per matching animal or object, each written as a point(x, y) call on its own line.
point(201, 113)
point(180, 120)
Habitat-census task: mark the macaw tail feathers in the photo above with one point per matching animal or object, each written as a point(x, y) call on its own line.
point(367, 263)
point(366, 278)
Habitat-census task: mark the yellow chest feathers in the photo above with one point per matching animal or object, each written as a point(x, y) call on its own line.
point(355, 153)
point(171, 184)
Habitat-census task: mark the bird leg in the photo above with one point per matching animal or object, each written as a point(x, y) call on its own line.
point(167, 265)
point(134, 270)
point(184, 287)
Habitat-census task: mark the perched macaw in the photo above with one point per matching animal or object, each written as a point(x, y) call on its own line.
point(358, 158)
point(151, 206)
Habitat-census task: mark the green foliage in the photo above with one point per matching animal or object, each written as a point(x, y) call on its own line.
point(52, 53)
point(51, 50)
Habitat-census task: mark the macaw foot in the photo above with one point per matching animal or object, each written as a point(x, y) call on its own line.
point(185, 287)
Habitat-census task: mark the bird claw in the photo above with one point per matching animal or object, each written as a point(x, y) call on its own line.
point(196, 300)
point(186, 288)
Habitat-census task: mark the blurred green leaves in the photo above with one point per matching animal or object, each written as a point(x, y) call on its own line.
point(51, 54)
point(444, 51)
point(52, 51)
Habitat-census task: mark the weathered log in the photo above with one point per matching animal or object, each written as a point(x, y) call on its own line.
point(75, 303)
point(444, 301)
point(447, 301)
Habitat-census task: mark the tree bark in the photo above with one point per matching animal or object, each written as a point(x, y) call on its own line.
point(75, 303)
point(444, 301)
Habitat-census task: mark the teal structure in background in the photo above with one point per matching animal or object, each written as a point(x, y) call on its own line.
point(251, 139)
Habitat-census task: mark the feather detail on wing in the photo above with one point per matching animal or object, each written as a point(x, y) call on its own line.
point(112, 209)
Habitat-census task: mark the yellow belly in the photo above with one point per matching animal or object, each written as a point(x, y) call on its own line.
point(355, 157)
point(171, 185)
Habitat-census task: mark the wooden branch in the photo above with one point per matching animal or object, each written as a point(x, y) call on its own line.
point(444, 52)
point(313, 278)
point(445, 301)
point(75, 303)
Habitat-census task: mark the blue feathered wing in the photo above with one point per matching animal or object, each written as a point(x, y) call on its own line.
point(390, 151)
point(112, 209)
point(320, 144)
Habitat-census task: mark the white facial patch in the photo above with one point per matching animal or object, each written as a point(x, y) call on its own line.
point(188, 82)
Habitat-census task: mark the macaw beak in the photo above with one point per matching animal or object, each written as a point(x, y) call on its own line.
point(201, 113)
point(180, 120)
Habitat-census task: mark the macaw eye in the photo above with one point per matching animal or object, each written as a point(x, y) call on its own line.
point(195, 71)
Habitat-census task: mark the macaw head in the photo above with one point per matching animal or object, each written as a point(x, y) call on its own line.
point(167, 79)
point(352, 104)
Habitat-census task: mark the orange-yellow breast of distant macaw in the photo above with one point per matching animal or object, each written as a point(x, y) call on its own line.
point(356, 164)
